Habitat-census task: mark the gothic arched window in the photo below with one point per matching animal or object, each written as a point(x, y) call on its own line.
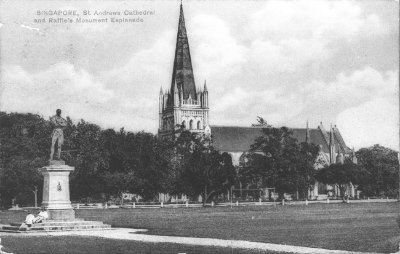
point(191, 124)
point(198, 125)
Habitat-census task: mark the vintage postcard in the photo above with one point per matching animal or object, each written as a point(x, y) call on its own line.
point(276, 103)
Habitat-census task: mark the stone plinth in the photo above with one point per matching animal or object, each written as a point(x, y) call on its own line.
point(52, 225)
point(56, 197)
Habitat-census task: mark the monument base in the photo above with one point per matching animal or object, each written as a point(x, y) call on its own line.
point(56, 162)
point(56, 225)
point(56, 186)
point(61, 214)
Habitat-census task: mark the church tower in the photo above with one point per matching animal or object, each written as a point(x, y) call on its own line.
point(182, 106)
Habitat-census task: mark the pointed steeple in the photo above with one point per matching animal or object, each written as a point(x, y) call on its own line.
point(308, 134)
point(331, 146)
point(175, 89)
point(182, 73)
point(205, 86)
point(176, 96)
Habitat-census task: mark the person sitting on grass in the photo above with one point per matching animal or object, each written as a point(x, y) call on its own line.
point(43, 215)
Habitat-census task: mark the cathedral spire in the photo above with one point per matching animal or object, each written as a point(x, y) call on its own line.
point(182, 73)
point(331, 138)
point(331, 146)
point(183, 103)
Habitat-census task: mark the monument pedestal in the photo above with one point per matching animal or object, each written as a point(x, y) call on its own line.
point(63, 215)
point(56, 201)
point(56, 197)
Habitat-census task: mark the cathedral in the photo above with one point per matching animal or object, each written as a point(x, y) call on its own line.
point(332, 149)
point(185, 106)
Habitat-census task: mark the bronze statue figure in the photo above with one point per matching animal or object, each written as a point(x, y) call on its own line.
point(59, 124)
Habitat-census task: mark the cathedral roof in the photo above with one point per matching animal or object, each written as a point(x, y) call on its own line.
point(182, 74)
point(316, 137)
point(240, 139)
point(234, 139)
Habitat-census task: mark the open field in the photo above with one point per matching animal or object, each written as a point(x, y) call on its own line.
point(92, 245)
point(356, 227)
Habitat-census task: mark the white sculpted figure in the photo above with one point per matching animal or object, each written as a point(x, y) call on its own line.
point(59, 124)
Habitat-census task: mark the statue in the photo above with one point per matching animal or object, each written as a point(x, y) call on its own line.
point(59, 124)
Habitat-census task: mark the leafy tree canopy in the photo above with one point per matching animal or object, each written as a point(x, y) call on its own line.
point(276, 159)
point(203, 170)
point(342, 175)
point(383, 166)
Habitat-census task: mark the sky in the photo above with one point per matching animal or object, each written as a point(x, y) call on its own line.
point(287, 61)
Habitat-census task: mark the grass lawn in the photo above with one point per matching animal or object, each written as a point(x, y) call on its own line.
point(91, 245)
point(356, 227)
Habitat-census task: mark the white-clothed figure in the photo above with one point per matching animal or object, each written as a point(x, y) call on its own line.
point(29, 221)
point(43, 215)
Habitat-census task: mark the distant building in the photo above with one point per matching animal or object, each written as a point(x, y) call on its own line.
point(237, 142)
point(184, 106)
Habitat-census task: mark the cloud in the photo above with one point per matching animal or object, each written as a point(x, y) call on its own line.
point(126, 96)
point(290, 36)
point(324, 101)
point(364, 105)
point(60, 86)
point(325, 20)
point(77, 93)
point(351, 89)
point(242, 106)
point(346, 101)
point(215, 51)
point(146, 70)
point(373, 122)
point(288, 56)
point(287, 61)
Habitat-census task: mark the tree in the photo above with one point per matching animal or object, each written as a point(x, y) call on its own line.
point(276, 159)
point(137, 163)
point(305, 170)
point(383, 165)
point(23, 142)
point(106, 162)
point(204, 170)
point(89, 160)
point(19, 180)
point(342, 175)
point(148, 163)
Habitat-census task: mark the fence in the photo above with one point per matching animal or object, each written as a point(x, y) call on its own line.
point(225, 204)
